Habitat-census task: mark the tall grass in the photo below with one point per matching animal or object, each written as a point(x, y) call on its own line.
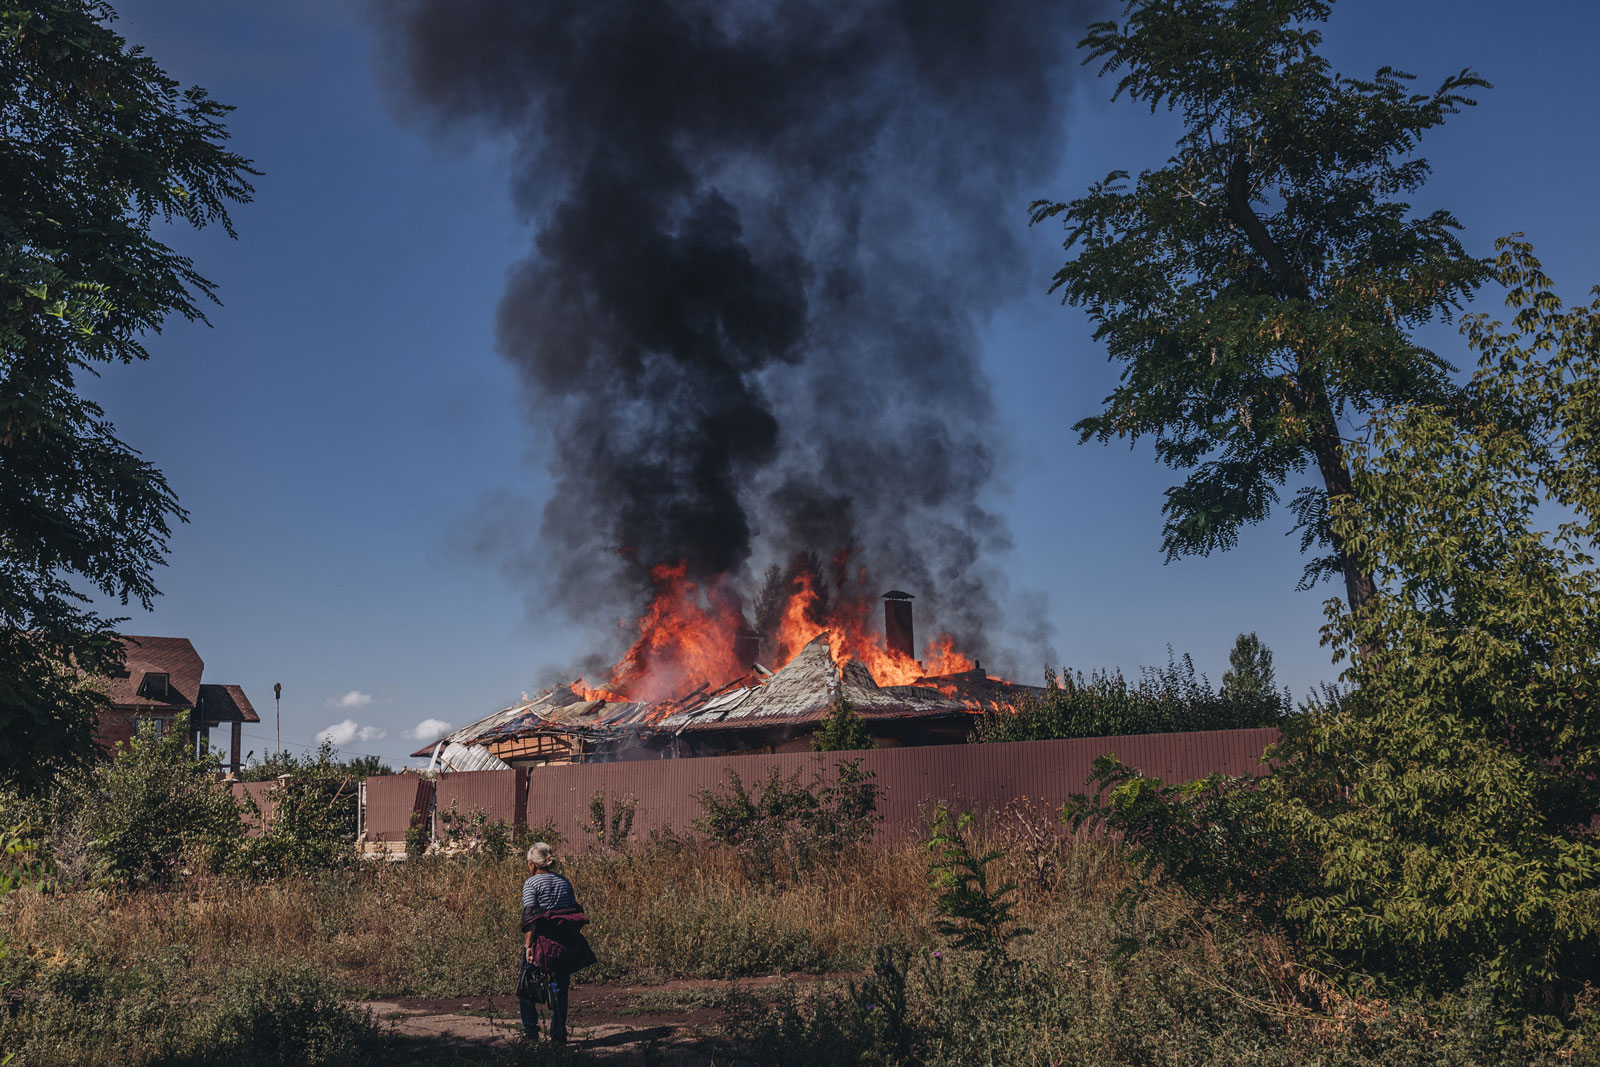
point(444, 927)
point(175, 975)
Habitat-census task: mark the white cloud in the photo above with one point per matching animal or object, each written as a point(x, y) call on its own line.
point(342, 733)
point(428, 730)
point(353, 699)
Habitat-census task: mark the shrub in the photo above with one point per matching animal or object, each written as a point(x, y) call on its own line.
point(312, 827)
point(269, 1014)
point(972, 915)
point(157, 810)
point(1169, 700)
point(473, 834)
point(786, 822)
point(417, 836)
point(609, 833)
point(842, 730)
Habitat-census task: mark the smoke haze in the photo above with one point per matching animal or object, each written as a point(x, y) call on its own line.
point(766, 238)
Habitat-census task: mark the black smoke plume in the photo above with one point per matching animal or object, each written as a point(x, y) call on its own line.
point(767, 237)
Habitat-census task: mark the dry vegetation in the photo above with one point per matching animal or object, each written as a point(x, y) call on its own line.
point(219, 970)
point(446, 926)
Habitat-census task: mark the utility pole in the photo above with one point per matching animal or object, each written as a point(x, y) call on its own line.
point(277, 703)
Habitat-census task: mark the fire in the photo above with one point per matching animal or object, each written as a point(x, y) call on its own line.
point(686, 638)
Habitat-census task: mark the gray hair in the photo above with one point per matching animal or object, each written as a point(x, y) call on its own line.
point(541, 856)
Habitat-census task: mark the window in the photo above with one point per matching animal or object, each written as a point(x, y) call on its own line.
point(154, 686)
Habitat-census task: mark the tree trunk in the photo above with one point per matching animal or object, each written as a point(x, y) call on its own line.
point(1358, 585)
point(1314, 403)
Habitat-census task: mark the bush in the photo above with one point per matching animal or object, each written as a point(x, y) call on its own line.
point(1229, 999)
point(269, 1014)
point(157, 810)
point(786, 823)
point(1170, 700)
point(609, 833)
point(843, 730)
point(177, 1012)
point(312, 827)
point(472, 834)
point(971, 914)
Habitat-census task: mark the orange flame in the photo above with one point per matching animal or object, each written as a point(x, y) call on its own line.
point(686, 638)
point(685, 641)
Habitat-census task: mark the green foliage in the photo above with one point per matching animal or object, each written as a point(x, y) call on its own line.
point(610, 833)
point(158, 811)
point(1264, 283)
point(322, 762)
point(1433, 829)
point(1222, 1000)
point(315, 812)
point(528, 835)
point(101, 148)
point(972, 915)
point(843, 730)
point(21, 861)
point(1250, 681)
point(417, 836)
point(169, 1011)
point(784, 822)
point(1170, 700)
point(473, 833)
point(312, 827)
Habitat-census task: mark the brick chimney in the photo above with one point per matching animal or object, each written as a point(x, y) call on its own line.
point(746, 647)
point(897, 623)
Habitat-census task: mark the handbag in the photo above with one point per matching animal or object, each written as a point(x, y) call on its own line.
point(533, 984)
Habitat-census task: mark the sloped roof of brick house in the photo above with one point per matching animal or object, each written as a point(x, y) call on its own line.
point(225, 703)
point(173, 657)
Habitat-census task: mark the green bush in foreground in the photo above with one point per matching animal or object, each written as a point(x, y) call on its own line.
point(175, 1011)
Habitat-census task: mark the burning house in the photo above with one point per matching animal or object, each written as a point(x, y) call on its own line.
point(758, 710)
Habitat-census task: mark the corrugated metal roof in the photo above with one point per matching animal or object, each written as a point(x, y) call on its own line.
point(459, 757)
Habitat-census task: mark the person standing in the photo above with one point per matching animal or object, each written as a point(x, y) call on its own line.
point(553, 945)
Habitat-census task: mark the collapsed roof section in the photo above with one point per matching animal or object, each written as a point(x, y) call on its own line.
point(559, 725)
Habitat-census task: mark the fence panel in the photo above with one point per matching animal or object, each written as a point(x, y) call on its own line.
point(498, 794)
point(983, 778)
point(391, 801)
point(261, 794)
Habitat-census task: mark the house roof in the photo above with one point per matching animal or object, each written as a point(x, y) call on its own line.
point(225, 703)
point(804, 690)
point(173, 656)
point(800, 693)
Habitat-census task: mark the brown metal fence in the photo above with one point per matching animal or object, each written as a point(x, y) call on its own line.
point(983, 778)
point(261, 794)
point(498, 794)
point(388, 803)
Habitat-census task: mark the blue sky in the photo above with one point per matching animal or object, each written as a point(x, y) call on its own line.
point(335, 430)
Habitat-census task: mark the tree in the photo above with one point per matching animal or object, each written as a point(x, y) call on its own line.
point(99, 145)
point(1262, 285)
point(1435, 827)
point(843, 730)
point(1249, 680)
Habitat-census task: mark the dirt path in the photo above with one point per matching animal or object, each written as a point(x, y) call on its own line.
point(674, 1022)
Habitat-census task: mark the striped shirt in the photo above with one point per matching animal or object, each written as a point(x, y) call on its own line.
point(546, 890)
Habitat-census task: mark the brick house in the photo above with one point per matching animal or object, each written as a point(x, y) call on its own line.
point(159, 680)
